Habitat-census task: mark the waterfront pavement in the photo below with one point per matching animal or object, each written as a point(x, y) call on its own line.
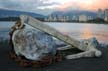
point(82, 64)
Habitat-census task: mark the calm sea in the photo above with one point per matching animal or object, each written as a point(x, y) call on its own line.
point(75, 30)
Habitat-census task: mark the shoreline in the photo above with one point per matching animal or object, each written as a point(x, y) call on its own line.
point(67, 22)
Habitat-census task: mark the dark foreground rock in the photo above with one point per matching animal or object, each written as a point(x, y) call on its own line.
point(82, 64)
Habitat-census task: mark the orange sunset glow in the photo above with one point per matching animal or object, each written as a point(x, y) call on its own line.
point(87, 32)
point(48, 6)
point(85, 4)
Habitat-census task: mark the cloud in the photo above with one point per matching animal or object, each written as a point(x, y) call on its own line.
point(48, 6)
point(99, 4)
point(28, 5)
point(85, 4)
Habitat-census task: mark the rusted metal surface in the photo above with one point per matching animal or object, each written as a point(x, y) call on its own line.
point(47, 60)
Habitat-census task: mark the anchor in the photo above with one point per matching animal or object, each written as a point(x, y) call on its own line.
point(30, 43)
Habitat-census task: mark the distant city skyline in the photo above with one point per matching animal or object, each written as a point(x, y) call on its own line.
point(47, 6)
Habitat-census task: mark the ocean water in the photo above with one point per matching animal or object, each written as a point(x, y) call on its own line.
point(74, 30)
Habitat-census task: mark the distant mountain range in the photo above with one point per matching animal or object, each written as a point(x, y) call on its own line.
point(74, 13)
point(13, 13)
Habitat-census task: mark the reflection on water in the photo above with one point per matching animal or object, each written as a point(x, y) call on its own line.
point(87, 32)
point(83, 31)
point(74, 30)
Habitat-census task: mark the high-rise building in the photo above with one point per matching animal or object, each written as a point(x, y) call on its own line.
point(83, 18)
point(100, 14)
point(89, 18)
point(106, 15)
point(75, 18)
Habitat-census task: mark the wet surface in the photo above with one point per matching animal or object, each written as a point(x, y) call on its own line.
point(82, 64)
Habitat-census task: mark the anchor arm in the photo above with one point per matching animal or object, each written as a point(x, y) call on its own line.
point(45, 28)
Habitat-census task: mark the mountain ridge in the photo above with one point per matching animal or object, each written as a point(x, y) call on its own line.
point(14, 13)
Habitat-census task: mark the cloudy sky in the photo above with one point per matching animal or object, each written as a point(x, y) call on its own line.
point(47, 6)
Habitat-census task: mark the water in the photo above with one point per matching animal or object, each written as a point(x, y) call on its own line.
point(75, 30)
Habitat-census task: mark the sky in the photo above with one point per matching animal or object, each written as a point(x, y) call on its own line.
point(45, 7)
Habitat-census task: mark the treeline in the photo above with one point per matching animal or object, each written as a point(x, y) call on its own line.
point(10, 19)
point(16, 18)
point(97, 20)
